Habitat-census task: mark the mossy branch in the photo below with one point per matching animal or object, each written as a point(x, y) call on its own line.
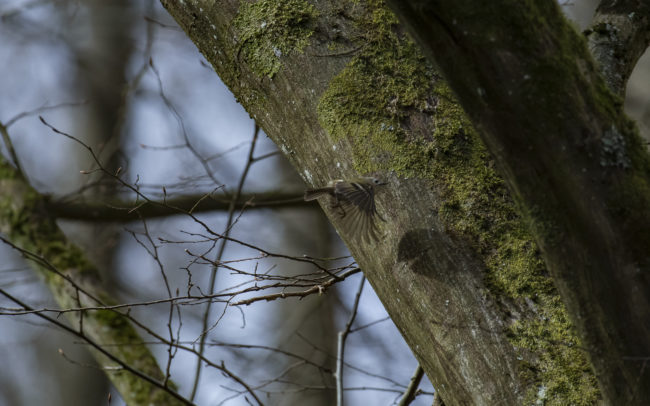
point(74, 282)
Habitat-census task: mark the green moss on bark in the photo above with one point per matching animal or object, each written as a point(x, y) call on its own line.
point(270, 29)
point(371, 97)
point(28, 225)
point(399, 116)
point(131, 348)
point(551, 358)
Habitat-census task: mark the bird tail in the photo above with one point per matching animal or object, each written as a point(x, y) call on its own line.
point(313, 194)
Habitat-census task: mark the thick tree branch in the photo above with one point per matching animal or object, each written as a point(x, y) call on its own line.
point(568, 154)
point(618, 36)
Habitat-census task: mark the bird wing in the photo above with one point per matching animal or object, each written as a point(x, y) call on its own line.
point(361, 224)
point(357, 194)
point(357, 209)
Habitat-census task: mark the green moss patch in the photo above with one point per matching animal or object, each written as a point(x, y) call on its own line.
point(270, 29)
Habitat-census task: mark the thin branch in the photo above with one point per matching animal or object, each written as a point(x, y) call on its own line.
point(46, 265)
point(383, 319)
point(348, 365)
point(135, 189)
point(222, 247)
point(43, 109)
point(272, 349)
point(4, 127)
point(342, 336)
point(181, 123)
point(10, 149)
point(410, 393)
point(162, 25)
point(49, 267)
point(320, 289)
point(267, 155)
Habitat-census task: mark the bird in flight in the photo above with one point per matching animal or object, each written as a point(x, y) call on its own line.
point(353, 203)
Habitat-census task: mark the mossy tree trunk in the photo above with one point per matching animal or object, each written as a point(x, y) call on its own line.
point(343, 92)
point(574, 161)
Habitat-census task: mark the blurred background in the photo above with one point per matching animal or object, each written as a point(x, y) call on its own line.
point(121, 76)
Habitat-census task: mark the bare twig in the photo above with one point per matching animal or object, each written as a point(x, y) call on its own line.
point(411, 390)
point(320, 289)
point(146, 199)
point(222, 247)
point(307, 281)
point(348, 365)
point(10, 149)
point(179, 119)
point(383, 319)
point(43, 109)
point(342, 336)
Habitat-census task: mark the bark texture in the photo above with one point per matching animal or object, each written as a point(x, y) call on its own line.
point(571, 158)
point(343, 92)
point(617, 38)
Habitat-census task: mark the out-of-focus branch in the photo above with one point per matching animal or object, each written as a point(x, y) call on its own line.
point(342, 336)
point(222, 247)
point(10, 146)
point(123, 211)
point(100, 349)
point(28, 225)
point(618, 35)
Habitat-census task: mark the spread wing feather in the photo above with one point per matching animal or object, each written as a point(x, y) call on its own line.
point(357, 194)
point(356, 209)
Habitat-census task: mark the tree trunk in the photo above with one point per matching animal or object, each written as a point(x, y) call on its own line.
point(568, 153)
point(343, 92)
